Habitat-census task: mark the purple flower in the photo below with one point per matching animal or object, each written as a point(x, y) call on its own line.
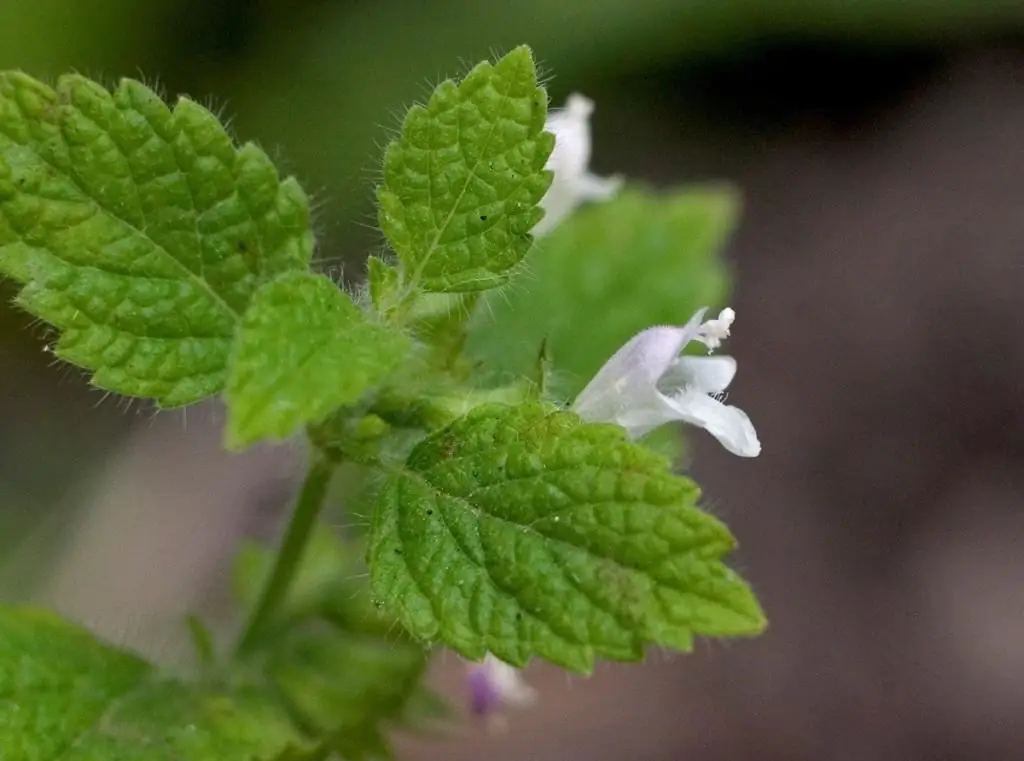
point(493, 684)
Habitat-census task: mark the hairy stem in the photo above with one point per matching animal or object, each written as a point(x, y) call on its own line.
point(289, 556)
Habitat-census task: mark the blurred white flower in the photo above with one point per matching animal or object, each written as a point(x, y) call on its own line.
point(493, 684)
point(573, 183)
point(647, 383)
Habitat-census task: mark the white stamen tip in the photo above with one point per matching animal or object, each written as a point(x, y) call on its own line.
point(713, 332)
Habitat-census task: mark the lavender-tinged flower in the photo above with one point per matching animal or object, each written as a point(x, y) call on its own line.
point(647, 383)
point(573, 184)
point(493, 684)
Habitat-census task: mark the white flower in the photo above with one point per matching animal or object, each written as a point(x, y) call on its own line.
point(572, 184)
point(647, 383)
point(493, 683)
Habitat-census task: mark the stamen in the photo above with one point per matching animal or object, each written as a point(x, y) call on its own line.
point(713, 332)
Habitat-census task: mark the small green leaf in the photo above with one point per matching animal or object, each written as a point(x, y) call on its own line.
point(303, 351)
point(141, 232)
point(384, 283)
point(342, 667)
point(439, 320)
point(66, 696)
point(462, 182)
point(344, 687)
point(522, 531)
point(202, 640)
point(327, 571)
point(605, 274)
point(330, 584)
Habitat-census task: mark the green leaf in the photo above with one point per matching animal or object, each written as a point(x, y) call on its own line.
point(141, 232)
point(329, 570)
point(345, 687)
point(352, 670)
point(669, 442)
point(439, 320)
point(384, 283)
point(522, 531)
point(303, 351)
point(608, 272)
point(64, 695)
point(463, 180)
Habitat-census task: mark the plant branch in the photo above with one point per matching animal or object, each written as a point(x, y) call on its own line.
point(289, 556)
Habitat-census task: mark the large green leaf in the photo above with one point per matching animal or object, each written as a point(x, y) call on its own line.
point(64, 696)
point(140, 231)
point(522, 531)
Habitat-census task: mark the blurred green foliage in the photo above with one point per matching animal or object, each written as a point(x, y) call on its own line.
point(320, 81)
point(617, 267)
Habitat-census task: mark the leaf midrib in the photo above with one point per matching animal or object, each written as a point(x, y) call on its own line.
point(432, 248)
point(196, 279)
point(100, 718)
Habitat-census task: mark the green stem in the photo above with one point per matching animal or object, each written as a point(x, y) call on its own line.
point(289, 556)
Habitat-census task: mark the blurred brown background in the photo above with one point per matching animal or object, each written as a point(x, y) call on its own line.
point(880, 147)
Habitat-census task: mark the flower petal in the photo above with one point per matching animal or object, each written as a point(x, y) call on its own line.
point(730, 425)
point(709, 375)
point(493, 683)
point(572, 184)
point(558, 203)
point(628, 381)
point(641, 420)
point(483, 694)
point(571, 127)
point(591, 187)
point(512, 688)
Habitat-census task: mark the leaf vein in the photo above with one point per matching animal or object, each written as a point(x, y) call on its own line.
point(421, 267)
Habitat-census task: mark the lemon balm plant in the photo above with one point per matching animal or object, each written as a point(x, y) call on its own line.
point(512, 517)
